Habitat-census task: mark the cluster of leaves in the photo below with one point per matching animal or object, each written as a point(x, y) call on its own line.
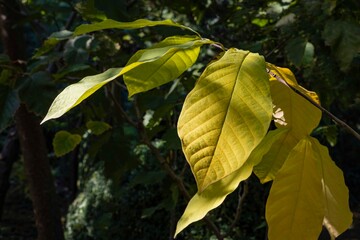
point(229, 135)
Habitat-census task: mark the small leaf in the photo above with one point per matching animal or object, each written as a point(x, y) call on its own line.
point(97, 127)
point(175, 55)
point(64, 142)
point(295, 206)
point(338, 216)
point(225, 116)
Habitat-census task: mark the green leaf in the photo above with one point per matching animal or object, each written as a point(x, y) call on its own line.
point(300, 51)
point(64, 142)
point(344, 39)
point(172, 57)
point(225, 116)
point(295, 206)
point(140, 23)
point(97, 127)
point(37, 91)
point(9, 103)
point(74, 94)
point(338, 216)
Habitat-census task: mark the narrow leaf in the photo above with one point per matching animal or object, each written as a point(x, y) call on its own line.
point(64, 142)
point(225, 116)
point(174, 56)
point(295, 206)
point(338, 216)
point(212, 197)
point(140, 23)
point(74, 94)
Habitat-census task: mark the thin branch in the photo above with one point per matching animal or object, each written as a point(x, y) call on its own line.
point(155, 151)
point(332, 116)
point(241, 198)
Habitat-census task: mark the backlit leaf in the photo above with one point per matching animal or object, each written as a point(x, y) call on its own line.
point(97, 127)
point(216, 193)
point(64, 142)
point(338, 216)
point(177, 53)
point(212, 197)
point(225, 116)
point(111, 24)
point(295, 206)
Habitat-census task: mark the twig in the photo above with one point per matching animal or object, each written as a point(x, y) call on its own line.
point(155, 151)
point(242, 194)
point(332, 116)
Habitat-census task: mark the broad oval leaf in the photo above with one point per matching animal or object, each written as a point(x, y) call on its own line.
point(64, 142)
point(338, 216)
point(225, 116)
point(295, 206)
point(169, 59)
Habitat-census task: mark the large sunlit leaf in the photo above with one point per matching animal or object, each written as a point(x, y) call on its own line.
point(111, 24)
point(295, 206)
point(178, 54)
point(216, 193)
point(338, 216)
point(225, 116)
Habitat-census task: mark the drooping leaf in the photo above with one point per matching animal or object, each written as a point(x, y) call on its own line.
point(74, 94)
point(212, 197)
point(295, 206)
point(111, 24)
point(338, 216)
point(97, 127)
point(225, 116)
point(344, 39)
point(273, 160)
point(64, 142)
point(178, 53)
point(288, 109)
point(9, 103)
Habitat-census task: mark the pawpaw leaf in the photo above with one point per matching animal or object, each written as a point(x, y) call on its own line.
point(225, 116)
point(64, 142)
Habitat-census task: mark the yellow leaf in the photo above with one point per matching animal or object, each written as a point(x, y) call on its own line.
point(225, 116)
point(295, 206)
point(338, 216)
point(273, 160)
point(215, 194)
point(212, 197)
point(290, 79)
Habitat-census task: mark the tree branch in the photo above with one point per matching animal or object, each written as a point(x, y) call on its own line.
point(332, 116)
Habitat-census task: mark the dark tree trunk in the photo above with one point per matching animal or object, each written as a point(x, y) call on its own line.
point(8, 156)
point(32, 141)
